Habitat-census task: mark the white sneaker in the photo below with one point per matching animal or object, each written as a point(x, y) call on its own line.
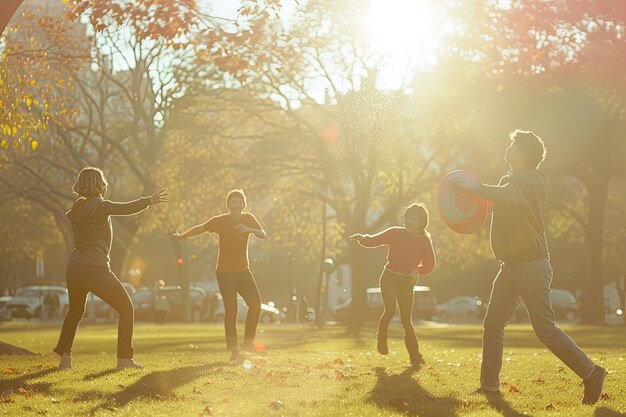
point(65, 362)
point(123, 363)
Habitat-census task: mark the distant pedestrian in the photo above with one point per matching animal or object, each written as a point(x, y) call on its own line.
point(88, 269)
point(304, 309)
point(211, 305)
point(51, 304)
point(161, 308)
point(409, 254)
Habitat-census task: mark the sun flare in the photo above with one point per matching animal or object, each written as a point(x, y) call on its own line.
point(401, 27)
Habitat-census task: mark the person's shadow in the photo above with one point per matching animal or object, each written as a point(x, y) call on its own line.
point(401, 393)
point(155, 385)
point(23, 382)
point(605, 412)
point(497, 402)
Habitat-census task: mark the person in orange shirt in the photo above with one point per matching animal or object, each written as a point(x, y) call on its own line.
point(233, 272)
point(409, 254)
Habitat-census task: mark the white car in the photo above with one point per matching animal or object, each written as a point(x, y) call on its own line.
point(97, 308)
point(5, 313)
point(28, 301)
point(269, 314)
point(461, 306)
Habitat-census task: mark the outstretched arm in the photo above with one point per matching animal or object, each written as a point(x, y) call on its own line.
point(509, 193)
point(194, 231)
point(131, 207)
point(371, 241)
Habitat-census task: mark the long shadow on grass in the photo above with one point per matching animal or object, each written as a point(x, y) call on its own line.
point(158, 385)
point(401, 393)
point(286, 338)
point(97, 375)
point(605, 412)
point(523, 336)
point(23, 382)
point(497, 402)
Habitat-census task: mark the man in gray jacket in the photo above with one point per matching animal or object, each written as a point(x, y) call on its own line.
point(518, 241)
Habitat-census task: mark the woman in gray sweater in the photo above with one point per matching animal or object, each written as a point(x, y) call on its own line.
point(88, 268)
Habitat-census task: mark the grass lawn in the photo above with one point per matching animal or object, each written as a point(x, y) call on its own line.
point(306, 372)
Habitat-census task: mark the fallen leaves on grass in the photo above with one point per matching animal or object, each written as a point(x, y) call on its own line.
point(513, 389)
point(277, 405)
point(399, 404)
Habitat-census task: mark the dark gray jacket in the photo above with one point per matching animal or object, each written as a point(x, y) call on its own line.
point(518, 231)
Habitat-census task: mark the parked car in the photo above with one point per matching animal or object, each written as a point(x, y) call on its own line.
point(5, 313)
point(28, 301)
point(612, 305)
point(423, 305)
point(461, 307)
point(269, 314)
point(144, 299)
point(563, 303)
point(99, 309)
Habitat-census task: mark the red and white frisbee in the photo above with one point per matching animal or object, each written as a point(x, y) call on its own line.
point(463, 211)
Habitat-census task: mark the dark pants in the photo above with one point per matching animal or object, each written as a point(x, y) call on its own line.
point(231, 283)
point(102, 282)
point(396, 288)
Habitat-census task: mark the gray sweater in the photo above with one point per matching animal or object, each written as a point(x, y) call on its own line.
point(91, 226)
point(518, 218)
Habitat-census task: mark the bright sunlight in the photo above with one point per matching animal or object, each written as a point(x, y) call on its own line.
point(405, 31)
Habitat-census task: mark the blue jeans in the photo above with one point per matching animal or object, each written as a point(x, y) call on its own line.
point(529, 281)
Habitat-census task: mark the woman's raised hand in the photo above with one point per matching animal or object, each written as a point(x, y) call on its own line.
point(356, 236)
point(159, 196)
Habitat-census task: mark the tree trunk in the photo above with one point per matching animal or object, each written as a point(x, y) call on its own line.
point(124, 231)
point(359, 301)
point(593, 305)
point(7, 9)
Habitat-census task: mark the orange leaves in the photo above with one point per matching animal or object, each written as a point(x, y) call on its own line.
point(513, 389)
point(165, 21)
point(399, 404)
point(277, 405)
